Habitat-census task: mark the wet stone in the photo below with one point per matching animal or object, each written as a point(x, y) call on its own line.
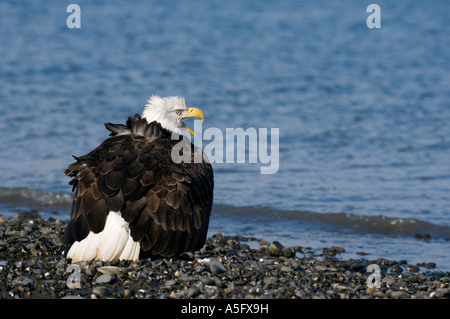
point(388, 280)
point(396, 269)
point(207, 281)
point(216, 267)
point(429, 265)
point(398, 294)
point(218, 282)
point(442, 292)
point(104, 279)
point(358, 267)
point(101, 291)
point(286, 269)
point(412, 268)
point(112, 270)
point(288, 252)
point(332, 251)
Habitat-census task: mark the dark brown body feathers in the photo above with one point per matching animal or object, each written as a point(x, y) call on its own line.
point(167, 205)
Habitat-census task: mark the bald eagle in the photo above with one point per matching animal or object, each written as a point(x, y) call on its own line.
point(131, 200)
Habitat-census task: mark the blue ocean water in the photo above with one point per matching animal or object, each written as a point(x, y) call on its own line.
point(363, 114)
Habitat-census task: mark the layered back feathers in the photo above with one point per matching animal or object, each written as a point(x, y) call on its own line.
point(167, 205)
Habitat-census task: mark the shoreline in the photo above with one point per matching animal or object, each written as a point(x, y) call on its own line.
point(227, 267)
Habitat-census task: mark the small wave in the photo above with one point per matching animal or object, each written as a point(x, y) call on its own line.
point(342, 222)
point(22, 198)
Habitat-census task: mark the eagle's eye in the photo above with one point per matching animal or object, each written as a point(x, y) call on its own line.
point(178, 112)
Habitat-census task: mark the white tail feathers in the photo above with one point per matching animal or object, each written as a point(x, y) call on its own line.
point(111, 244)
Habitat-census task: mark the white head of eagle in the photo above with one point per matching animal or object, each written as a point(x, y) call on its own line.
point(130, 199)
point(169, 112)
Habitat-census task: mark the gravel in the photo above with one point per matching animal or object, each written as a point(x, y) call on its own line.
point(227, 267)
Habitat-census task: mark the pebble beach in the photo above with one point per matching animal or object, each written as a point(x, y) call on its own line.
point(32, 266)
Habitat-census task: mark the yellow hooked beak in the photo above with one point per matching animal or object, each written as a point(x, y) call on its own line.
point(192, 112)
